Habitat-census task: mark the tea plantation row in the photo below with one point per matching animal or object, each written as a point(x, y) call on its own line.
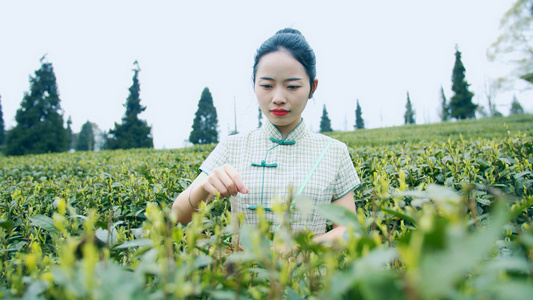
point(444, 212)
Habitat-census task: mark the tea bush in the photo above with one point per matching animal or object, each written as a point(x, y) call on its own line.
point(444, 212)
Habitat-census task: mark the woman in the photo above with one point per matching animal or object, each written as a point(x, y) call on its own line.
point(282, 155)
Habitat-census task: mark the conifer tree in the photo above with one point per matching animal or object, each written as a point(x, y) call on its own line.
point(325, 122)
point(444, 108)
point(204, 127)
point(39, 119)
point(409, 116)
point(461, 106)
point(85, 138)
point(2, 125)
point(359, 122)
point(516, 107)
point(259, 118)
point(70, 134)
point(132, 132)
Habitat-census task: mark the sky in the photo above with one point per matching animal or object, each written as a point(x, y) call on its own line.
point(373, 52)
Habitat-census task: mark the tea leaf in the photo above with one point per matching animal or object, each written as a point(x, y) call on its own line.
point(135, 243)
point(43, 222)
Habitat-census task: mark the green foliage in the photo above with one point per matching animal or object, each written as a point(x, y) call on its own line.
point(513, 46)
point(441, 214)
point(325, 122)
point(461, 106)
point(132, 132)
point(409, 116)
point(86, 138)
point(359, 122)
point(444, 108)
point(204, 127)
point(2, 125)
point(516, 107)
point(39, 119)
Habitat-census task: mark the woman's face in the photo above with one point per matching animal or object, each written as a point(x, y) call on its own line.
point(282, 88)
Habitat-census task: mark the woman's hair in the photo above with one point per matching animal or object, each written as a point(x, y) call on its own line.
point(292, 41)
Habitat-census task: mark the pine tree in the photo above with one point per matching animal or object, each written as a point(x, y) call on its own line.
point(516, 107)
point(359, 122)
point(133, 132)
point(461, 106)
point(204, 127)
point(325, 122)
point(85, 138)
point(234, 131)
point(409, 116)
point(39, 119)
point(2, 125)
point(259, 118)
point(444, 108)
point(70, 134)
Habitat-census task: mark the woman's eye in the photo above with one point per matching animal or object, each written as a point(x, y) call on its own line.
point(266, 86)
point(293, 87)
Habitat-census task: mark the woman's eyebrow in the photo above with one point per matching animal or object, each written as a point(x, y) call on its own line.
point(288, 79)
point(293, 79)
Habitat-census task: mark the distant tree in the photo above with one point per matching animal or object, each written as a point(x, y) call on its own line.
point(259, 118)
point(359, 122)
point(490, 88)
point(461, 106)
point(70, 134)
point(513, 46)
point(133, 132)
point(325, 122)
point(2, 125)
point(204, 127)
point(39, 119)
point(86, 138)
point(99, 137)
point(444, 108)
point(234, 131)
point(409, 116)
point(516, 107)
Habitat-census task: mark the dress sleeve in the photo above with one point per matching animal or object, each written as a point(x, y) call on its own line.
point(347, 179)
point(217, 158)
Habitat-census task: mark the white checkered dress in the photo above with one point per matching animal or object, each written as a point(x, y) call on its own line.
point(270, 167)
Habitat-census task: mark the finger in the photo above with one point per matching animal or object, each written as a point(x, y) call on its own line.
point(223, 183)
point(236, 179)
point(210, 186)
point(217, 186)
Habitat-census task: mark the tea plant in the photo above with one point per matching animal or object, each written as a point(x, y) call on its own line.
point(444, 211)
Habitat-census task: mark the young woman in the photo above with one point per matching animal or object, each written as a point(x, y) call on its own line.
point(281, 156)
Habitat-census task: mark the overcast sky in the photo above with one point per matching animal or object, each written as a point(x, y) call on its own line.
point(374, 51)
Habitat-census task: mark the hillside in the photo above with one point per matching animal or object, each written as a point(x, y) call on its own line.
point(487, 128)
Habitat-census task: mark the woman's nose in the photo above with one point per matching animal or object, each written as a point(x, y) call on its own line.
point(278, 96)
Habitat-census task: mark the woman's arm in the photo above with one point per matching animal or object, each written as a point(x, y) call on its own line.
point(338, 231)
point(224, 180)
point(182, 208)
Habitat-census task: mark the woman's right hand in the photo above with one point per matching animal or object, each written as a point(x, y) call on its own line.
point(226, 180)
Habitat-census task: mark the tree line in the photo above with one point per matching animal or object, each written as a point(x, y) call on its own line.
point(40, 128)
point(40, 121)
point(459, 107)
point(40, 124)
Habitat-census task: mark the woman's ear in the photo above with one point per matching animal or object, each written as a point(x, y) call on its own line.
point(313, 88)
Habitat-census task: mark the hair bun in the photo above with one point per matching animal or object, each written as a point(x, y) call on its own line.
point(289, 30)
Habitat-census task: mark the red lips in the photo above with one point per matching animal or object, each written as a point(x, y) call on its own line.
point(279, 112)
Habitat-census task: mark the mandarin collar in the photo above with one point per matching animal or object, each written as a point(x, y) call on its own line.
point(273, 133)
